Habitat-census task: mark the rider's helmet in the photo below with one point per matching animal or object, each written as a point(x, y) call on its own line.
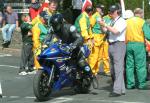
point(56, 22)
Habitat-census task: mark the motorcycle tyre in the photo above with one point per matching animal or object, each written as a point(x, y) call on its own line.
point(36, 86)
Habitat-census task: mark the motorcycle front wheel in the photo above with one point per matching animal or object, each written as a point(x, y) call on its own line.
point(41, 88)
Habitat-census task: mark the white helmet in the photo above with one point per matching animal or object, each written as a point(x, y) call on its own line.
point(128, 14)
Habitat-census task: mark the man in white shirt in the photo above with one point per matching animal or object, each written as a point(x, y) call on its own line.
point(117, 49)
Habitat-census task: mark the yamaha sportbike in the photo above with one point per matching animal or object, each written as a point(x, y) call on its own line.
point(60, 70)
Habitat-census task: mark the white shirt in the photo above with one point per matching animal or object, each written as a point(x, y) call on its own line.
point(77, 4)
point(120, 25)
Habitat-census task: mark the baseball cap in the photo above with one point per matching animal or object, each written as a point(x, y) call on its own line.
point(100, 6)
point(113, 8)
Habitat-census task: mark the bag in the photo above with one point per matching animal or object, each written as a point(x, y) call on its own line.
point(147, 43)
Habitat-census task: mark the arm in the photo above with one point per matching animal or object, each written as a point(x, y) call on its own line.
point(78, 39)
point(118, 27)
point(26, 26)
point(16, 17)
point(36, 36)
point(146, 30)
point(32, 13)
point(84, 29)
point(109, 28)
point(92, 21)
point(17, 24)
point(4, 20)
point(112, 29)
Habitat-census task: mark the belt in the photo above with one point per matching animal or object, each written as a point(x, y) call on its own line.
point(111, 43)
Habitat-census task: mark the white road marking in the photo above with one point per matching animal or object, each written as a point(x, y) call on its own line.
point(67, 99)
point(0, 90)
point(110, 101)
point(30, 97)
point(14, 97)
point(62, 100)
point(5, 55)
point(9, 66)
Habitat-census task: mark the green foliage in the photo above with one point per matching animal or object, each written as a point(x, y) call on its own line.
point(139, 4)
point(129, 4)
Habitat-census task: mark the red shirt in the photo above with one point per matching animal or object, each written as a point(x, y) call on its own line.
point(33, 12)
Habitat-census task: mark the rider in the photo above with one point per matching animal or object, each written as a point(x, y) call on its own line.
point(69, 35)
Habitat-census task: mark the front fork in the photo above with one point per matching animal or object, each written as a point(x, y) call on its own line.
point(51, 75)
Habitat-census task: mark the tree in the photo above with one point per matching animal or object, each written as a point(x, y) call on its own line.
point(129, 4)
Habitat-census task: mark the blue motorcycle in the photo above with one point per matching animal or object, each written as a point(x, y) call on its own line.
point(60, 70)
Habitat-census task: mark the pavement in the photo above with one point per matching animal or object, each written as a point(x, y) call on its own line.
point(19, 89)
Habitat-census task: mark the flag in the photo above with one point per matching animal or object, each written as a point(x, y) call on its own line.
point(85, 4)
point(122, 8)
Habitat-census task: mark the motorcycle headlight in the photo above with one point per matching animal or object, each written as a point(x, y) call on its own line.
point(87, 68)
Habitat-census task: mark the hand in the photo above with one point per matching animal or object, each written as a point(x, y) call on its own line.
point(102, 23)
point(72, 47)
point(17, 29)
point(90, 44)
point(44, 46)
point(93, 41)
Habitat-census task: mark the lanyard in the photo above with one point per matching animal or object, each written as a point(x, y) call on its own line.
point(113, 22)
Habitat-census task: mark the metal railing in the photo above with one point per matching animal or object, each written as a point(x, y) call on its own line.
point(18, 4)
point(19, 7)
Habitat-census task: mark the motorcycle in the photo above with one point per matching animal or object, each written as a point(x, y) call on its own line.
point(60, 70)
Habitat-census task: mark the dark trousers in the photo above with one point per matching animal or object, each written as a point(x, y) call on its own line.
point(26, 56)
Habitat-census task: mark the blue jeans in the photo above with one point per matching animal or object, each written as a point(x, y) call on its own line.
point(7, 31)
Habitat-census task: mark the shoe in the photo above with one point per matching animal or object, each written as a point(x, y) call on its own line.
point(132, 87)
point(32, 72)
point(123, 94)
point(144, 88)
point(114, 94)
point(108, 74)
point(5, 44)
point(23, 73)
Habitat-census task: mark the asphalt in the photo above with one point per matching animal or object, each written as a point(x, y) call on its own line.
point(19, 89)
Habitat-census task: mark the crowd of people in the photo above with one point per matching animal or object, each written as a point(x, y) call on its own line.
point(117, 42)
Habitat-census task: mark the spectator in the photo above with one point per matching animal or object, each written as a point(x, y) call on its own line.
point(11, 20)
point(34, 10)
point(82, 24)
point(117, 49)
point(39, 31)
point(52, 7)
point(99, 52)
point(26, 54)
point(137, 31)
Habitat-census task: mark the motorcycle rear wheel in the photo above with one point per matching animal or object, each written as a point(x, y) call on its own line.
point(40, 86)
